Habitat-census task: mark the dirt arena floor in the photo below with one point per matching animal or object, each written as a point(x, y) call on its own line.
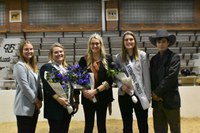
point(188, 125)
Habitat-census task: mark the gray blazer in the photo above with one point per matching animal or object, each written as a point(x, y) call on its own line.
point(28, 90)
point(143, 72)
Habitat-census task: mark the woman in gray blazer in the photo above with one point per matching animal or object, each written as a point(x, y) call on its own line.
point(28, 98)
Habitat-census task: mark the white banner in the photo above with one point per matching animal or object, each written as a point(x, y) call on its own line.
point(8, 58)
point(138, 87)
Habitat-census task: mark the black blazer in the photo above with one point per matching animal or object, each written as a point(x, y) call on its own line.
point(52, 109)
point(105, 96)
point(164, 78)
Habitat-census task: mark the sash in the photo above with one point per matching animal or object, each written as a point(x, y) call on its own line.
point(137, 85)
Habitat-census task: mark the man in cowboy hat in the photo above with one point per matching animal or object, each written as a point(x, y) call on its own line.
point(164, 70)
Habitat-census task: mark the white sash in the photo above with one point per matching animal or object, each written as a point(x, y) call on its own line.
point(137, 85)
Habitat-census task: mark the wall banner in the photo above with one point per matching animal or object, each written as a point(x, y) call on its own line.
point(8, 57)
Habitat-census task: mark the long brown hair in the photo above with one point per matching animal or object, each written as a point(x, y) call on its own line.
point(135, 49)
point(32, 62)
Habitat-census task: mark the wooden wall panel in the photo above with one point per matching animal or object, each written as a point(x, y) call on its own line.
point(54, 28)
point(14, 26)
point(197, 11)
point(112, 25)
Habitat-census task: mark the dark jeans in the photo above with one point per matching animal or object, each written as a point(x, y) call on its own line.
point(126, 107)
point(60, 126)
point(27, 124)
point(89, 112)
point(162, 117)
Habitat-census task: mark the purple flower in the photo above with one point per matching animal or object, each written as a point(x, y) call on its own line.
point(78, 75)
point(65, 78)
point(76, 66)
point(56, 77)
point(59, 75)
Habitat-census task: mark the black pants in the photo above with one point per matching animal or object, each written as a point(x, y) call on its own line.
point(59, 126)
point(27, 124)
point(126, 107)
point(89, 112)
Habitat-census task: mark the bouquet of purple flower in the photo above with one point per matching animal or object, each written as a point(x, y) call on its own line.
point(59, 83)
point(78, 76)
point(116, 72)
point(81, 78)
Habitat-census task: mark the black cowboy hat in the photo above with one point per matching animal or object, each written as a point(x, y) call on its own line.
point(162, 34)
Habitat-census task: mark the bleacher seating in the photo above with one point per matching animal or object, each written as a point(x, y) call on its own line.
point(30, 35)
point(110, 33)
point(35, 40)
point(182, 38)
point(188, 50)
point(36, 52)
point(175, 49)
point(195, 56)
point(36, 46)
point(187, 56)
point(196, 44)
point(186, 45)
point(75, 44)
point(15, 35)
point(46, 45)
point(80, 45)
point(53, 34)
point(43, 52)
point(88, 34)
point(2, 36)
point(50, 40)
point(181, 56)
point(68, 40)
point(147, 44)
point(152, 50)
point(42, 59)
point(73, 34)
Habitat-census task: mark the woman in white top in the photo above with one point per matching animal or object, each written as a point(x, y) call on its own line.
point(138, 62)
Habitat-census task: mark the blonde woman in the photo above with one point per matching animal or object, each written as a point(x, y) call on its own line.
point(97, 62)
point(54, 105)
point(28, 98)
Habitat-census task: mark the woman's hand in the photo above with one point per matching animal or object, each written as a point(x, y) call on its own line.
point(89, 94)
point(63, 101)
point(38, 104)
point(126, 89)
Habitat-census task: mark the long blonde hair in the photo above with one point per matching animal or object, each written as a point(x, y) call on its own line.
point(135, 49)
point(32, 62)
point(50, 56)
point(102, 50)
